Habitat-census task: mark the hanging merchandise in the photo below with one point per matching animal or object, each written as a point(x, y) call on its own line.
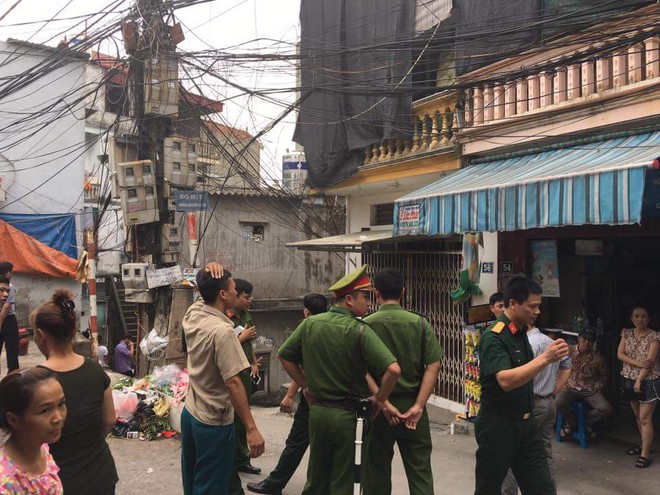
point(472, 385)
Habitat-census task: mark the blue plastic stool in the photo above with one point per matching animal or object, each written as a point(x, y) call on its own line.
point(580, 434)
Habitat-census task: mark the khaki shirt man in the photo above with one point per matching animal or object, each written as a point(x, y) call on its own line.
point(213, 351)
point(215, 391)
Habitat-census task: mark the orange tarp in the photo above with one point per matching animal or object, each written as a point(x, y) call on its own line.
point(28, 255)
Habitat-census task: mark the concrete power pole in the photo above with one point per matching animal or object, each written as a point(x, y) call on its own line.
point(154, 86)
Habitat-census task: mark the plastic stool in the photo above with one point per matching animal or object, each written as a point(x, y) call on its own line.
point(580, 434)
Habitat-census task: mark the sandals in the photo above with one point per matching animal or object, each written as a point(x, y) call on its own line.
point(567, 432)
point(635, 450)
point(643, 462)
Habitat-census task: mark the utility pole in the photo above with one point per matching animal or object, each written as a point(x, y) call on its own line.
point(90, 241)
point(154, 87)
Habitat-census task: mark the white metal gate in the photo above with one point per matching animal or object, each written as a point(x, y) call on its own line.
point(430, 276)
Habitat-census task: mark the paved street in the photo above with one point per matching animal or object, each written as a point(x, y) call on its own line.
point(602, 469)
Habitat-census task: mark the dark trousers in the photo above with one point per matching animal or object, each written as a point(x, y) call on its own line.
point(207, 458)
point(9, 339)
point(242, 449)
point(414, 445)
point(511, 443)
point(331, 467)
point(294, 449)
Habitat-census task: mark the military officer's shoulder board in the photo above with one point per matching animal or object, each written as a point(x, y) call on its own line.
point(498, 327)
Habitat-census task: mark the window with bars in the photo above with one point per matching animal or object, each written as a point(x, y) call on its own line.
point(382, 214)
point(253, 231)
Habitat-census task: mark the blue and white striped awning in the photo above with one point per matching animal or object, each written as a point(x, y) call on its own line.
point(597, 183)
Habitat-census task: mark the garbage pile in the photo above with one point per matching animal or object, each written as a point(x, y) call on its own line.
point(150, 407)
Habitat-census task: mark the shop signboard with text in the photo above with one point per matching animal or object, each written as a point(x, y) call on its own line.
point(409, 217)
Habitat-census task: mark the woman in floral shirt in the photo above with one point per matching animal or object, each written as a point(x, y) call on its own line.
point(32, 409)
point(638, 350)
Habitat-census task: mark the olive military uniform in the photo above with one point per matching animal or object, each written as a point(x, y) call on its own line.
point(242, 450)
point(412, 341)
point(505, 430)
point(326, 345)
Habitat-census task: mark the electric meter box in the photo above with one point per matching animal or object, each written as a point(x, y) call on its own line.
point(139, 204)
point(161, 85)
point(134, 276)
point(170, 238)
point(170, 257)
point(139, 173)
point(119, 152)
point(180, 162)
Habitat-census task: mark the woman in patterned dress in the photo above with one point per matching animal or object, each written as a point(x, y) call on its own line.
point(638, 350)
point(32, 409)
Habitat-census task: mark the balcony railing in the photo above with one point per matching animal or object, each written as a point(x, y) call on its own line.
point(434, 124)
point(92, 191)
point(566, 83)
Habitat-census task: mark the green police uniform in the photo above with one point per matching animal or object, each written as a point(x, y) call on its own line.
point(413, 342)
point(505, 430)
point(326, 344)
point(242, 450)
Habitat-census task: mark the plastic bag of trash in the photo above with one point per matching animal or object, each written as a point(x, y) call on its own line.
point(125, 405)
point(153, 344)
point(164, 376)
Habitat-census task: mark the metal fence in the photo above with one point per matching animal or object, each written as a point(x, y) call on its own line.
point(430, 276)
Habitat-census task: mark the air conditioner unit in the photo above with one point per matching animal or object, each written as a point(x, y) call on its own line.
point(139, 205)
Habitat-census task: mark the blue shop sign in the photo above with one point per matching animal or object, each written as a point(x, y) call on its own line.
point(191, 200)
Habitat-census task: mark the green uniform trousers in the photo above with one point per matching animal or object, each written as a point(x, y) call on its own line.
point(242, 449)
point(511, 443)
point(207, 466)
point(415, 448)
point(294, 450)
point(330, 470)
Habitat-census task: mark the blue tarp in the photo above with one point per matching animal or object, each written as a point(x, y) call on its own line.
point(56, 231)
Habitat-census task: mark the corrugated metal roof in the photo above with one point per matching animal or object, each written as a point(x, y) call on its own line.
point(343, 242)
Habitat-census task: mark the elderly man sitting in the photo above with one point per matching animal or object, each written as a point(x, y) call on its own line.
point(587, 381)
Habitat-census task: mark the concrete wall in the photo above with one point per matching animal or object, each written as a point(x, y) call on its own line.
point(359, 217)
point(32, 290)
point(277, 271)
point(273, 328)
point(46, 151)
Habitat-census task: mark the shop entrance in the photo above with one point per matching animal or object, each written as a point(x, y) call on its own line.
point(603, 271)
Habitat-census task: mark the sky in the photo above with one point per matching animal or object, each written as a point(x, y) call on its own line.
point(219, 24)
